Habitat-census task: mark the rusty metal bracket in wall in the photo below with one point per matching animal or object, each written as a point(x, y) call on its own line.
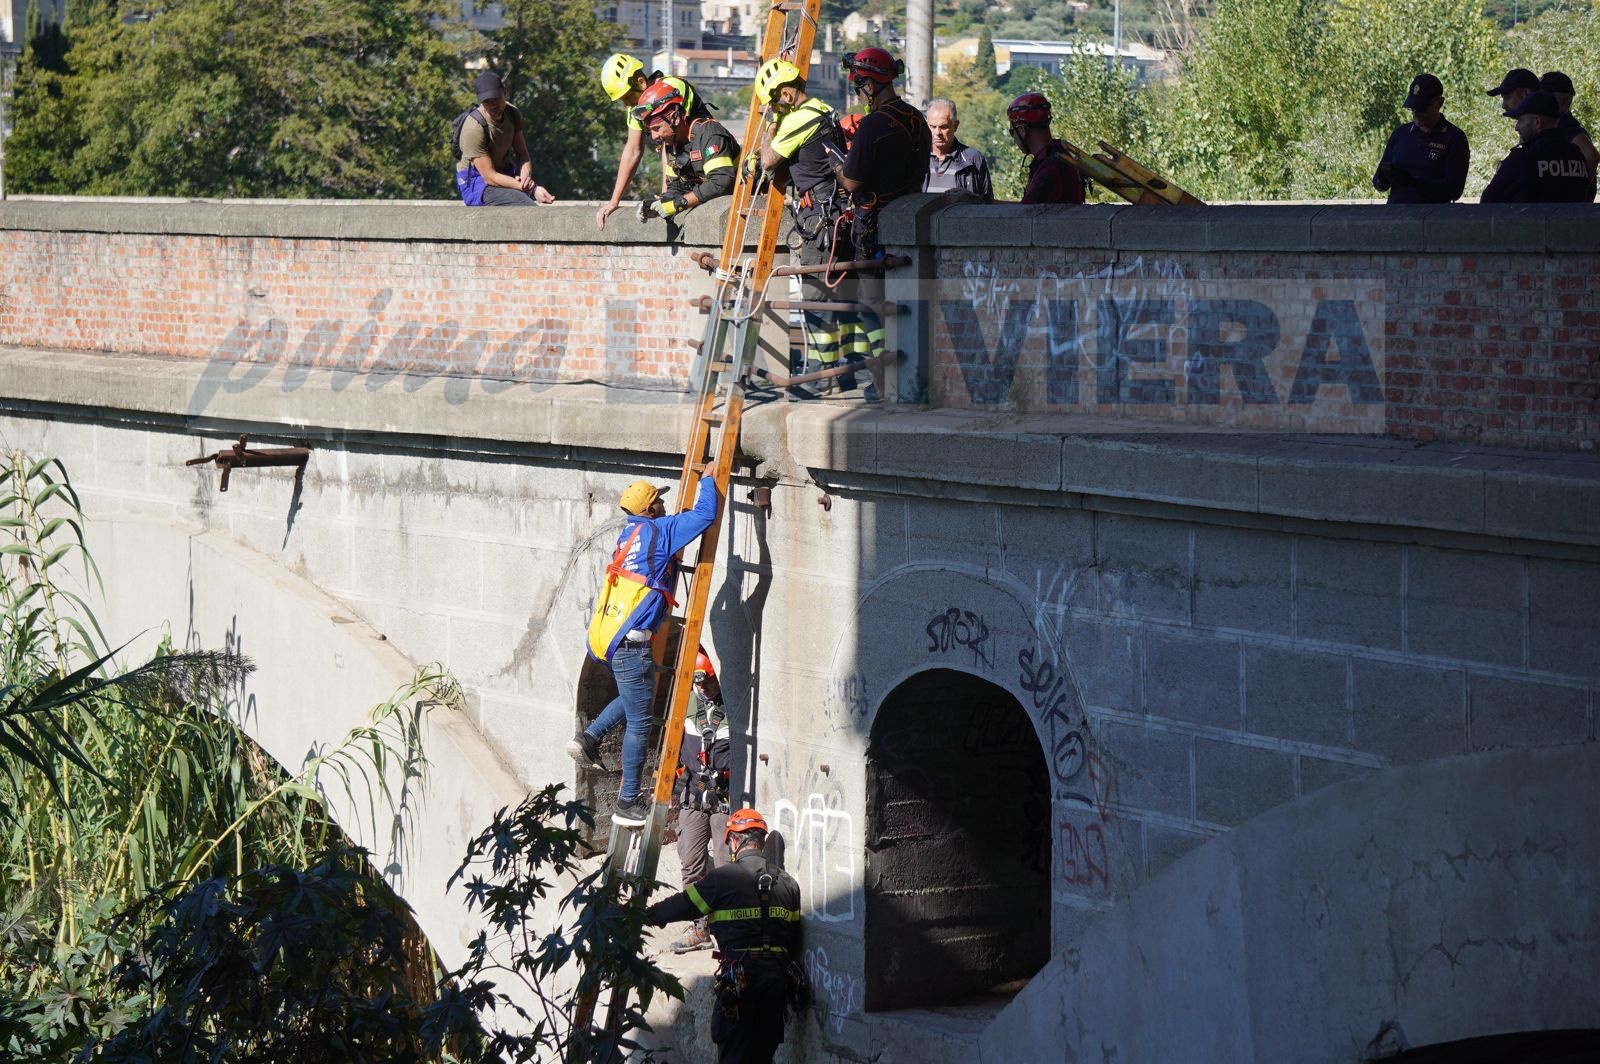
point(239, 456)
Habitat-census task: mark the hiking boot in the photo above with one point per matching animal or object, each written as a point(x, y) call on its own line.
point(585, 750)
point(634, 812)
point(696, 938)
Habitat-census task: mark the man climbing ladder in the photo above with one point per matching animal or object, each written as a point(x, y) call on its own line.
point(742, 271)
point(632, 605)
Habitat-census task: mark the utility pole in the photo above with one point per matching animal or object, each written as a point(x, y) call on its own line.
point(1116, 32)
point(7, 70)
point(671, 34)
point(919, 52)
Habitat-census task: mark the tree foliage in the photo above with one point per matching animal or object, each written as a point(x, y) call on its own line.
point(116, 783)
point(324, 98)
point(516, 973)
point(548, 53)
point(316, 965)
point(1293, 99)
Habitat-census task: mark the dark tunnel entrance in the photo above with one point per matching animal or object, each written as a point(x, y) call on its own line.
point(958, 844)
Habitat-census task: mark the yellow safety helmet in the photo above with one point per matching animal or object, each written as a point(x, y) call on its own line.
point(616, 75)
point(774, 75)
point(639, 496)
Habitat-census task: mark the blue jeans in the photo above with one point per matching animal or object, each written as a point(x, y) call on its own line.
point(630, 667)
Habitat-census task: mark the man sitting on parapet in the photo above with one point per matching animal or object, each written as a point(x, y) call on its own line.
point(702, 156)
point(632, 605)
point(493, 168)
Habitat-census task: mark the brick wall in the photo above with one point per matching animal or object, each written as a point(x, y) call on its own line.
point(405, 289)
point(1469, 324)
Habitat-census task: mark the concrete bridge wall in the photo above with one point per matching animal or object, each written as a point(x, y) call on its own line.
point(1200, 627)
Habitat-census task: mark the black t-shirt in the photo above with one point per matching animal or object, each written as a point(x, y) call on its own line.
point(1053, 179)
point(1547, 169)
point(889, 154)
point(1426, 167)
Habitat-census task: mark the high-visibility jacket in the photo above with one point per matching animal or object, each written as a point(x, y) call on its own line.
point(644, 572)
point(729, 897)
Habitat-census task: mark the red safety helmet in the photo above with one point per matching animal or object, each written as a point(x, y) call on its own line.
point(703, 669)
point(873, 64)
point(657, 100)
point(1031, 108)
point(742, 821)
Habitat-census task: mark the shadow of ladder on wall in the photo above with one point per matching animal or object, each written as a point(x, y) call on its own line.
point(732, 328)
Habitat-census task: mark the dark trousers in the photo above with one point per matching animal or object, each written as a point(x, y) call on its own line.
point(752, 1029)
point(495, 196)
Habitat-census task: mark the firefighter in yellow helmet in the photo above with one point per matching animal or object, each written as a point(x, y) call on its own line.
point(753, 909)
point(805, 149)
point(624, 80)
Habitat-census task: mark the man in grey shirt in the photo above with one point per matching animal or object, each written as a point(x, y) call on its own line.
point(951, 164)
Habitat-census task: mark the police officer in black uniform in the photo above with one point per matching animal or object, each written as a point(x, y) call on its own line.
point(1559, 85)
point(703, 157)
point(1545, 167)
point(754, 912)
point(1426, 158)
point(1514, 88)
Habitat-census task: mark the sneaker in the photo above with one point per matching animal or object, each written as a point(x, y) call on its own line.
point(633, 812)
point(697, 937)
point(585, 750)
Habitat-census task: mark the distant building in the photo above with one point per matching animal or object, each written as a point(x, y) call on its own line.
point(739, 18)
point(856, 25)
point(14, 22)
point(1144, 61)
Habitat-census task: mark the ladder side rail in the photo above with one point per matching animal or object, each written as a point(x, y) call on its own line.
point(733, 237)
point(695, 609)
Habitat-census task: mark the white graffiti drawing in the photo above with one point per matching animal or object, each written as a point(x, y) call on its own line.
point(837, 995)
point(821, 835)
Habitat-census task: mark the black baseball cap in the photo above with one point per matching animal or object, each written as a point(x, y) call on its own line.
point(1425, 88)
point(488, 86)
point(1556, 81)
point(1515, 79)
point(1537, 103)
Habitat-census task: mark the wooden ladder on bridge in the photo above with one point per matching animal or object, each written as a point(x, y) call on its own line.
point(723, 358)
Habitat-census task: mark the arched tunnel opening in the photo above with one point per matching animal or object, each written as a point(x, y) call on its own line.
point(958, 844)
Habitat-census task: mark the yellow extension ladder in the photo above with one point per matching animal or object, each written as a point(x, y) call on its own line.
point(740, 274)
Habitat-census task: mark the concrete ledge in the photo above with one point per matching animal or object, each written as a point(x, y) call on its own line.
point(1535, 497)
point(419, 220)
point(1373, 228)
point(914, 221)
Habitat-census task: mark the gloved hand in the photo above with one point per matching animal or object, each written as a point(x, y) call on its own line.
point(661, 207)
point(750, 165)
